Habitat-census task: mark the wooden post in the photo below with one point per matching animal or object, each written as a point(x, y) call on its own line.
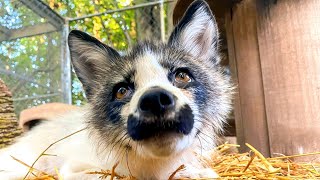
point(276, 50)
point(244, 60)
point(274, 54)
point(289, 44)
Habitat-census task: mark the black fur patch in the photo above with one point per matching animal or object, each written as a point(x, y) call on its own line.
point(112, 111)
point(108, 109)
point(200, 94)
point(141, 129)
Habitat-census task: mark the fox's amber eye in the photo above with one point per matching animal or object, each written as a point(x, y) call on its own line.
point(182, 77)
point(121, 93)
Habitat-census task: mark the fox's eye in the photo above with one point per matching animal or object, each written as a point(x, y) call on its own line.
point(182, 77)
point(122, 92)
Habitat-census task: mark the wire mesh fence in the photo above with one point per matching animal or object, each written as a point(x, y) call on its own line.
point(122, 28)
point(34, 67)
point(29, 62)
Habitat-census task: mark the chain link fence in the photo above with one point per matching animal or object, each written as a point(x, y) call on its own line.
point(30, 55)
point(122, 28)
point(33, 55)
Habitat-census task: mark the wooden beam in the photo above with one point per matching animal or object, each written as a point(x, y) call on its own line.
point(4, 31)
point(244, 57)
point(44, 11)
point(28, 31)
point(24, 77)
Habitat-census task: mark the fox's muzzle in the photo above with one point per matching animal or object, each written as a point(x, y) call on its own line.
point(158, 115)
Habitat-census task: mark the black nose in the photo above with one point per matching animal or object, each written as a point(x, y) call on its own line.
point(156, 101)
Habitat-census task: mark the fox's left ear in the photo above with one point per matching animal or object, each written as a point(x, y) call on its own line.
point(197, 32)
point(91, 60)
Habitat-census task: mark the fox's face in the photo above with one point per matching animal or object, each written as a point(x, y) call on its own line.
point(158, 98)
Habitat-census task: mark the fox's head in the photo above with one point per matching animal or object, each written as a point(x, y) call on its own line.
point(158, 98)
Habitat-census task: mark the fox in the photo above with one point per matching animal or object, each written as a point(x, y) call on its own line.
point(149, 110)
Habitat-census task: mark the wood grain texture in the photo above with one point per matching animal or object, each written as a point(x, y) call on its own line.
point(251, 120)
point(234, 73)
point(289, 44)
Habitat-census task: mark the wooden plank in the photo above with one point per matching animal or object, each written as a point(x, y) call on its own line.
point(44, 11)
point(29, 31)
point(230, 128)
point(289, 41)
point(250, 114)
point(234, 74)
point(4, 31)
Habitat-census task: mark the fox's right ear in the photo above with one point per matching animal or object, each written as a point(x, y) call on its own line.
point(197, 33)
point(90, 59)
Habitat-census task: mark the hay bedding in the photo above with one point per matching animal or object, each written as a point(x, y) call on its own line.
point(253, 165)
point(229, 165)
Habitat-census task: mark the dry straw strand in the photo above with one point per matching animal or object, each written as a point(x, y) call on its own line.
point(227, 164)
point(44, 152)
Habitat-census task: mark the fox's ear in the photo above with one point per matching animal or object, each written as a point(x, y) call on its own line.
point(90, 59)
point(197, 32)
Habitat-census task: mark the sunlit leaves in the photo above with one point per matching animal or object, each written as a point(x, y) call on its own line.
point(33, 65)
point(39, 57)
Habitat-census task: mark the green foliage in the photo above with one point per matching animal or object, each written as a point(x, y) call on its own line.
point(117, 29)
point(31, 66)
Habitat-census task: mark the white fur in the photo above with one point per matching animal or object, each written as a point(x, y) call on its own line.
point(198, 33)
point(77, 155)
point(149, 74)
point(199, 37)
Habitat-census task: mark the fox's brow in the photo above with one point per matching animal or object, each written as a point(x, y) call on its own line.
point(167, 65)
point(129, 76)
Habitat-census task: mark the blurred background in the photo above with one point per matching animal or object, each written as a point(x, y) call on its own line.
point(34, 59)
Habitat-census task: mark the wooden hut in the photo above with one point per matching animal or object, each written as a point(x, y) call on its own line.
point(273, 49)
